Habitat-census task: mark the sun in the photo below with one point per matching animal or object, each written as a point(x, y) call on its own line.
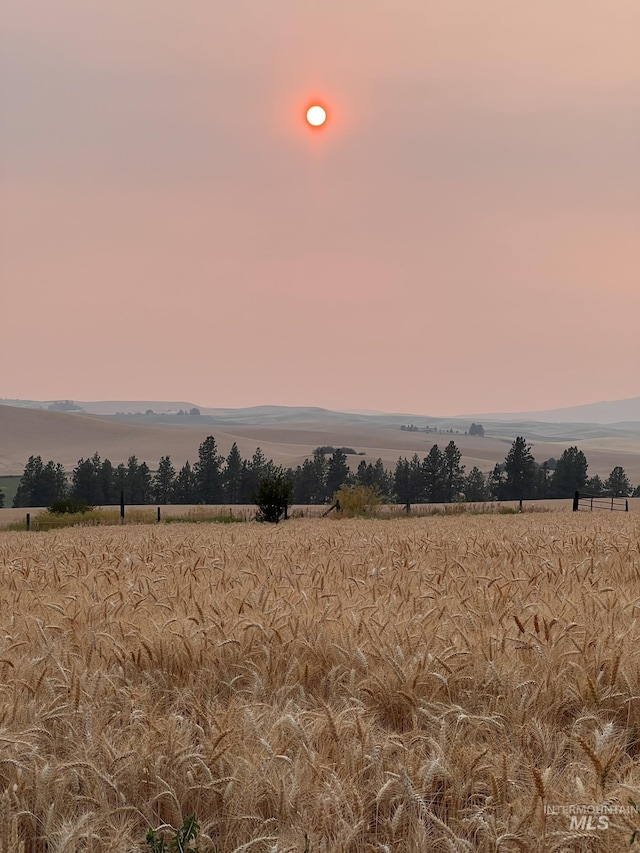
point(316, 115)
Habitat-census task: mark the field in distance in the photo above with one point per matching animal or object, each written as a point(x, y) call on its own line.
point(65, 437)
point(353, 686)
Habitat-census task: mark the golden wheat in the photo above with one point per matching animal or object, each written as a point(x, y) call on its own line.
point(401, 685)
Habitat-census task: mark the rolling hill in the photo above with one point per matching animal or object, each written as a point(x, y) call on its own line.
point(288, 435)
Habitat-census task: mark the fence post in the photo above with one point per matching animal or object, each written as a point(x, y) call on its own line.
point(28, 520)
point(576, 501)
point(158, 515)
point(626, 506)
point(520, 504)
point(122, 507)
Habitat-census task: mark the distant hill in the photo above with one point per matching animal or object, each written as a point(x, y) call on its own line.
point(622, 412)
point(288, 435)
point(605, 412)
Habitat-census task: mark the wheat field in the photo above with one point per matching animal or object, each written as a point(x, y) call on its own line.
point(330, 685)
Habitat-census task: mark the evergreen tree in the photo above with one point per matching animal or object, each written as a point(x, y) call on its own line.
point(1, 499)
point(520, 470)
point(208, 473)
point(85, 481)
point(251, 474)
point(402, 482)
point(53, 484)
point(108, 495)
point(144, 484)
point(543, 481)
point(164, 481)
point(416, 480)
point(375, 477)
point(303, 480)
point(594, 487)
point(496, 482)
point(364, 474)
point(131, 486)
point(319, 470)
point(119, 481)
point(636, 492)
point(475, 485)
point(383, 480)
point(139, 485)
point(338, 472)
point(245, 482)
point(273, 495)
point(433, 473)
point(617, 484)
point(453, 472)
point(40, 485)
point(232, 476)
point(28, 493)
point(570, 475)
point(184, 490)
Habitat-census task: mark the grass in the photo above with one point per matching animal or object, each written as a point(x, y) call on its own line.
point(45, 520)
point(347, 686)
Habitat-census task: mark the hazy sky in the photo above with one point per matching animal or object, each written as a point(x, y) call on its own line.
point(462, 236)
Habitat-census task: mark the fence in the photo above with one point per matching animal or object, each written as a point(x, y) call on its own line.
point(587, 503)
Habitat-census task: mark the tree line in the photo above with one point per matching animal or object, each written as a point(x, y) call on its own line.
point(439, 477)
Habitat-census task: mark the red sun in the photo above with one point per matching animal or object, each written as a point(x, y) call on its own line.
point(316, 115)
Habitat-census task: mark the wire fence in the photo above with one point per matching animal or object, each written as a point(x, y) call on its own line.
point(587, 503)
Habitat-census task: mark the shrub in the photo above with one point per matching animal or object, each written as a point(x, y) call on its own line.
point(358, 500)
point(68, 505)
point(273, 496)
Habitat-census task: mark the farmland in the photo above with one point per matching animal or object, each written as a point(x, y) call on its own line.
point(350, 685)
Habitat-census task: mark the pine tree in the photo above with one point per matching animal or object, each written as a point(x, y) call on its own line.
point(108, 494)
point(570, 475)
point(319, 471)
point(496, 482)
point(543, 481)
point(28, 485)
point(303, 480)
point(617, 484)
point(53, 485)
point(416, 480)
point(40, 485)
point(184, 490)
point(383, 479)
point(232, 476)
point(594, 487)
point(273, 495)
point(374, 476)
point(433, 473)
point(164, 481)
point(139, 488)
point(208, 473)
point(475, 485)
point(251, 474)
point(119, 481)
point(453, 472)
point(338, 472)
point(402, 482)
point(144, 483)
point(520, 470)
point(85, 481)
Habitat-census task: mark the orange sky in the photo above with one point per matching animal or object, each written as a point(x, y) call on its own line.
point(463, 236)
